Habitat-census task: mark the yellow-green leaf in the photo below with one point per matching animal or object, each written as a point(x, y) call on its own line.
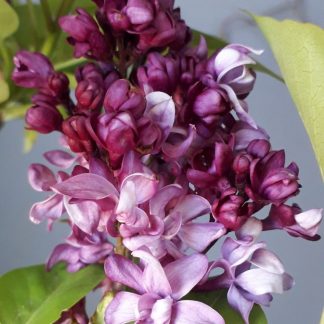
point(8, 20)
point(4, 90)
point(30, 138)
point(13, 111)
point(99, 315)
point(299, 51)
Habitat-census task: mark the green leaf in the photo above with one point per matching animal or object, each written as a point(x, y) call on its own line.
point(30, 138)
point(4, 90)
point(299, 51)
point(8, 20)
point(13, 111)
point(33, 296)
point(218, 301)
point(215, 43)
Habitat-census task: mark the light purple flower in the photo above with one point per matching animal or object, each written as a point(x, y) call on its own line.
point(248, 285)
point(173, 230)
point(41, 178)
point(159, 291)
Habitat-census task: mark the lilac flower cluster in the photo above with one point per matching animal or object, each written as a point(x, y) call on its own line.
point(162, 138)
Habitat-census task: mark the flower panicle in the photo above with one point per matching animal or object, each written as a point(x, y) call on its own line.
point(160, 160)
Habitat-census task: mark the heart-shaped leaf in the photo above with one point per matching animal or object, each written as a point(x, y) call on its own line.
point(215, 43)
point(8, 20)
point(299, 51)
point(218, 301)
point(34, 296)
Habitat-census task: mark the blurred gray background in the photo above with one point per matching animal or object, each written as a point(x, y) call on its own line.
point(23, 243)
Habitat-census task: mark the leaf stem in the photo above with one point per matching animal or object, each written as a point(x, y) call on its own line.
point(7, 63)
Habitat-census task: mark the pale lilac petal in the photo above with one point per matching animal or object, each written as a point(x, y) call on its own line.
point(199, 235)
point(60, 158)
point(162, 197)
point(122, 309)
point(160, 108)
point(310, 220)
point(127, 200)
point(85, 214)
point(268, 261)
point(192, 206)
point(124, 271)
point(40, 177)
point(189, 311)
point(161, 311)
point(66, 253)
point(175, 151)
point(154, 278)
point(259, 282)
point(136, 242)
point(94, 253)
point(172, 225)
point(51, 208)
point(145, 186)
point(238, 106)
point(184, 274)
point(252, 228)
point(240, 303)
point(86, 186)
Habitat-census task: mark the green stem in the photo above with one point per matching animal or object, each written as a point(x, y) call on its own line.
point(69, 64)
point(33, 22)
point(48, 16)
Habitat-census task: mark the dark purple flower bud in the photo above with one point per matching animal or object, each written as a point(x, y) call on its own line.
point(259, 148)
point(85, 36)
point(140, 13)
point(229, 66)
point(121, 96)
point(209, 105)
point(241, 163)
point(159, 73)
point(117, 134)
point(89, 71)
point(89, 95)
point(77, 135)
point(59, 84)
point(231, 210)
point(31, 69)
point(270, 180)
point(43, 118)
point(294, 221)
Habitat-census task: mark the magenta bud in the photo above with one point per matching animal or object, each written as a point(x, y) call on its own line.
point(43, 118)
point(77, 135)
point(121, 96)
point(209, 104)
point(89, 95)
point(59, 84)
point(259, 148)
point(31, 69)
point(242, 163)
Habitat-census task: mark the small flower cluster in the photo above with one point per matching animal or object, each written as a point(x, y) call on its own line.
point(167, 161)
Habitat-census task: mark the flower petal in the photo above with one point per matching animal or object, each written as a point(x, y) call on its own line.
point(50, 209)
point(145, 186)
point(189, 311)
point(124, 271)
point(192, 206)
point(85, 214)
point(122, 309)
point(259, 282)
point(60, 158)
point(267, 260)
point(86, 186)
point(154, 279)
point(199, 235)
point(40, 177)
point(184, 274)
point(239, 302)
point(161, 311)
